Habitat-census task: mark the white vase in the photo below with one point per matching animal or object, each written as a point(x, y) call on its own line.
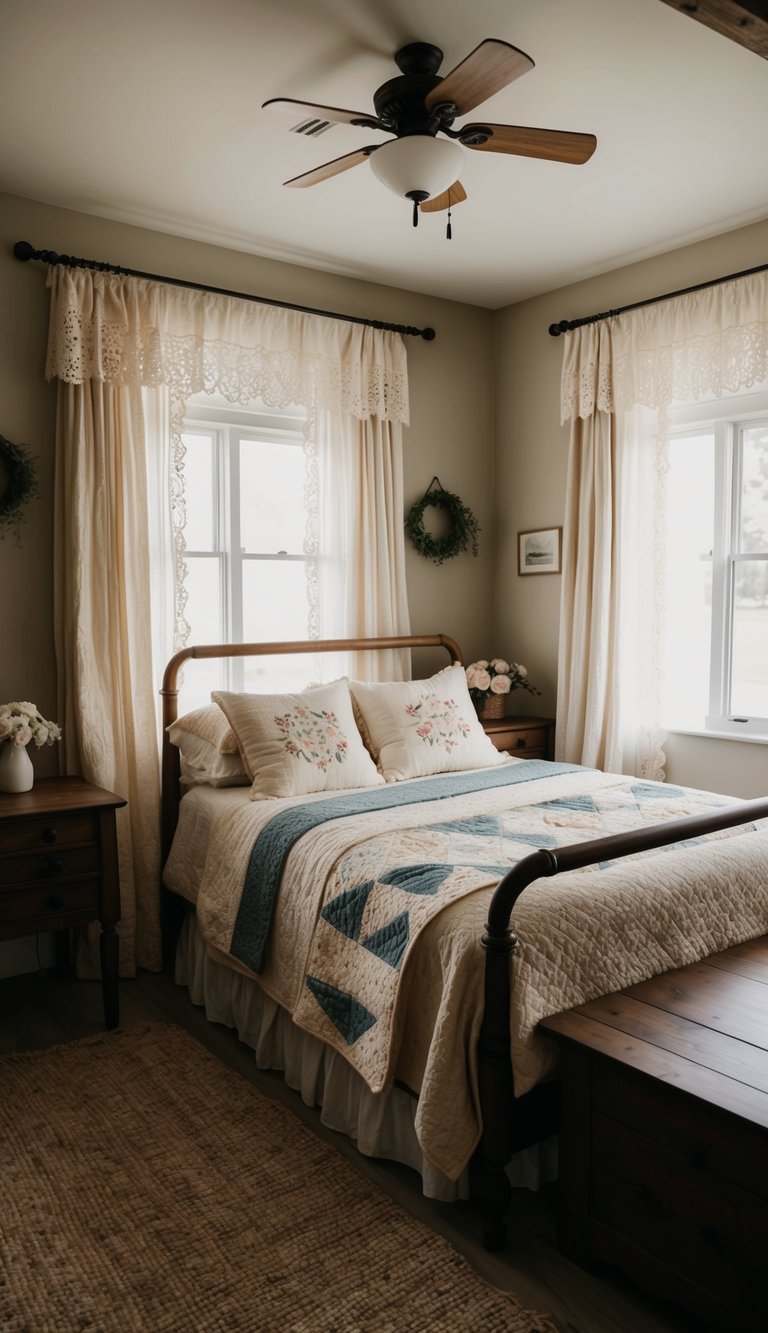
point(16, 771)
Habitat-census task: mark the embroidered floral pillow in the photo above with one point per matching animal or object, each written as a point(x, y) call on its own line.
point(418, 727)
point(293, 744)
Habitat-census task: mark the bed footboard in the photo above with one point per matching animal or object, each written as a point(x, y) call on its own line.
point(509, 1124)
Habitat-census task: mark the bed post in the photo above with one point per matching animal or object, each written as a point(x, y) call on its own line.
point(494, 1074)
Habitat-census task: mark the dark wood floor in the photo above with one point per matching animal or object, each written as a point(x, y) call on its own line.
point(37, 1011)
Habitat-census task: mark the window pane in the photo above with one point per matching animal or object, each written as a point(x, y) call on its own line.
point(689, 540)
point(281, 674)
point(271, 497)
point(749, 678)
point(199, 491)
point(274, 600)
point(275, 607)
point(754, 493)
point(203, 612)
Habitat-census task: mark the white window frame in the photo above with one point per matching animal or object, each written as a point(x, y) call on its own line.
point(727, 419)
point(227, 427)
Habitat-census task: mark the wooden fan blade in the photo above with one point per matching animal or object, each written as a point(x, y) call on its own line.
point(487, 69)
point(335, 113)
point(522, 141)
point(455, 194)
point(329, 169)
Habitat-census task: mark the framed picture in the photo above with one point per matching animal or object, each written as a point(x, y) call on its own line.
point(539, 552)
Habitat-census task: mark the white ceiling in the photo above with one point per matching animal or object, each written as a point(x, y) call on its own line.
point(149, 111)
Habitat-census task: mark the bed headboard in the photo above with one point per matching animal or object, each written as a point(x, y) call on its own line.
point(170, 694)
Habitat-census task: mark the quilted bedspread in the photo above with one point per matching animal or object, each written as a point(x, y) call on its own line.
point(362, 914)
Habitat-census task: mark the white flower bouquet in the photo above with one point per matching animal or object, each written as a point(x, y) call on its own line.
point(21, 723)
point(497, 677)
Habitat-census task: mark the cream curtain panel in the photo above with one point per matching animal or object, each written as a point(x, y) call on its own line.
point(128, 355)
point(620, 379)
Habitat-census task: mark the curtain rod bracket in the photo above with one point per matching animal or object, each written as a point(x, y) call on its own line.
point(24, 251)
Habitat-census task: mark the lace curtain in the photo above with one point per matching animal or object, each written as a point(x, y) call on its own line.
point(620, 379)
point(128, 354)
point(131, 331)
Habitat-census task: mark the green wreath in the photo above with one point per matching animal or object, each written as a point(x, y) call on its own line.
point(18, 483)
point(464, 527)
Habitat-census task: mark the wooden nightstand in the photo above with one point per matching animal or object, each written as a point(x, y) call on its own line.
point(524, 737)
point(58, 867)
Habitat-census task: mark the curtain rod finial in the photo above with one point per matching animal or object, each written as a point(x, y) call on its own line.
point(24, 251)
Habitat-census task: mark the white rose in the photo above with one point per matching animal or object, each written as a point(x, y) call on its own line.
point(482, 680)
point(472, 675)
point(30, 709)
point(501, 685)
point(482, 664)
point(521, 671)
point(41, 736)
point(500, 665)
point(22, 736)
point(5, 728)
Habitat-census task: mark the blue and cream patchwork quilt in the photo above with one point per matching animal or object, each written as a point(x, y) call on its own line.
point(362, 912)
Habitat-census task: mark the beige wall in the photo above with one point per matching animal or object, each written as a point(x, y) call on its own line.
point(531, 461)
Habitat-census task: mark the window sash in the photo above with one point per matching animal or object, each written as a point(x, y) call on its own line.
point(727, 556)
point(227, 544)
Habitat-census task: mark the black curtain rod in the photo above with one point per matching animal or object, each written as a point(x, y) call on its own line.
point(566, 325)
point(24, 251)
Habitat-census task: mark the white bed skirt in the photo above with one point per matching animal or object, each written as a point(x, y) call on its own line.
point(381, 1124)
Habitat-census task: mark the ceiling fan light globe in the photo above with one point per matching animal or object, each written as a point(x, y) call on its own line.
point(417, 163)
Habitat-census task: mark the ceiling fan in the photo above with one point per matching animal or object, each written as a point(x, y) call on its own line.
point(418, 105)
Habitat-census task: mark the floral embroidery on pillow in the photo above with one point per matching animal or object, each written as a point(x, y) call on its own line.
point(437, 721)
point(315, 737)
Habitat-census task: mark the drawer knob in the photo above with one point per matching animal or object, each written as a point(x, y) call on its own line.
point(55, 901)
point(520, 743)
point(53, 865)
point(49, 835)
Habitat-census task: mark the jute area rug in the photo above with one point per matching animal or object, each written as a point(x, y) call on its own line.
point(147, 1186)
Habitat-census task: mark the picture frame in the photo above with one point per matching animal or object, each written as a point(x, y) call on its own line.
point(540, 551)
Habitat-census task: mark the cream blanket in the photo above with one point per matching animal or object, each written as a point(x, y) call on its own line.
point(581, 935)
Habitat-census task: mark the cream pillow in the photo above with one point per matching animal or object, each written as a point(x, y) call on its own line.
point(211, 769)
point(208, 749)
point(418, 727)
point(208, 724)
point(294, 744)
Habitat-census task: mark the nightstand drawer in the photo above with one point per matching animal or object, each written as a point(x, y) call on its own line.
point(59, 863)
point(57, 830)
point(524, 737)
point(41, 906)
point(526, 742)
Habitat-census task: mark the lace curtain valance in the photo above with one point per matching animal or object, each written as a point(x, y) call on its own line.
point(687, 349)
point(125, 331)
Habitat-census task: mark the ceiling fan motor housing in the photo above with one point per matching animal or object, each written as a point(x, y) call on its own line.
point(401, 102)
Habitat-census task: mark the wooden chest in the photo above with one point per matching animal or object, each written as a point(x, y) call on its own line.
point(664, 1135)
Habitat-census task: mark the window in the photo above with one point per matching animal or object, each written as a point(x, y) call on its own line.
point(716, 639)
point(246, 576)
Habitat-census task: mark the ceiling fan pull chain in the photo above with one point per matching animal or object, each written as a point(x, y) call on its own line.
point(415, 212)
point(448, 232)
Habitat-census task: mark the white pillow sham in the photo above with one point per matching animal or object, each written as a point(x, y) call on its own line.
point(416, 728)
point(215, 770)
point(208, 749)
point(208, 724)
point(293, 744)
